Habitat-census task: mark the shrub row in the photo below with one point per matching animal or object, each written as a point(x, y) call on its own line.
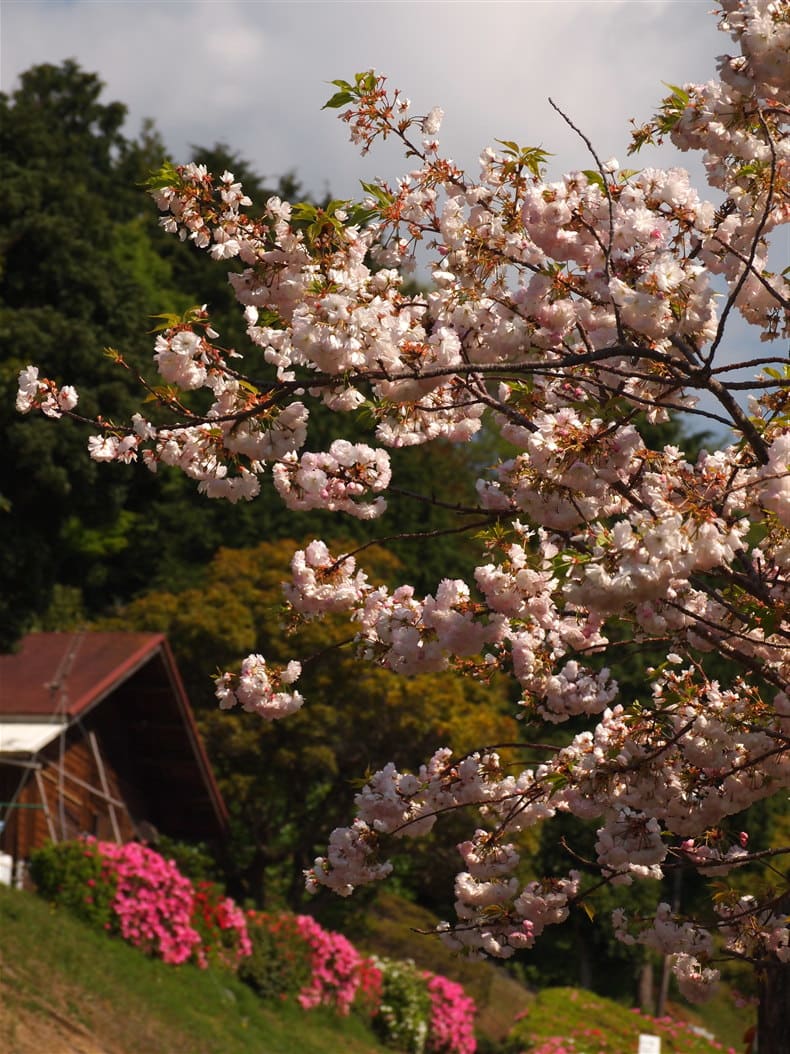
point(135, 893)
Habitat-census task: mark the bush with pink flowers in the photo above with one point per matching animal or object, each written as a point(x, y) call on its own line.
point(153, 902)
point(135, 892)
point(451, 1024)
point(338, 970)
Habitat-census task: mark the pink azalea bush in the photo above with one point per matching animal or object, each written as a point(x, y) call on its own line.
point(451, 1026)
point(153, 902)
point(134, 891)
point(339, 972)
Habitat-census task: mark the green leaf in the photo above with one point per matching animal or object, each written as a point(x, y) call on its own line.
point(377, 192)
point(677, 93)
point(531, 157)
point(366, 82)
point(340, 98)
point(304, 211)
point(165, 176)
point(168, 321)
point(593, 176)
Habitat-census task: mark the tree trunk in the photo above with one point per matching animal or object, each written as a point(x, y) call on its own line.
point(646, 996)
point(773, 1015)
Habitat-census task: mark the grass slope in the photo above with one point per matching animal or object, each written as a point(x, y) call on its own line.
point(65, 988)
point(584, 1023)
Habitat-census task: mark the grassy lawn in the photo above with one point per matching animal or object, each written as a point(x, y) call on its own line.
point(59, 980)
point(67, 989)
point(589, 1024)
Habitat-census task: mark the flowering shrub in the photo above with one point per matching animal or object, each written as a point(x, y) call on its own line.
point(368, 997)
point(451, 1027)
point(130, 890)
point(75, 875)
point(338, 970)
point(556, 1045)
point(280, 963)
point(222, 927)
point(406, 1007)
point(153, 902)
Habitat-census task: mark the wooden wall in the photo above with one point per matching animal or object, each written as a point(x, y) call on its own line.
point(73, 802)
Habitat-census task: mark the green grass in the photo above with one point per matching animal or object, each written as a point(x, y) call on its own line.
point(54, 968)
point(590, 1024)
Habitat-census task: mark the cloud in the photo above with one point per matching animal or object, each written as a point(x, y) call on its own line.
point(255, 75)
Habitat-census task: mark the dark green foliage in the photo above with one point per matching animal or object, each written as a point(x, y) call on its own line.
point(194, 860)
point(64, 296)
point(280, 964)
point(73, 876)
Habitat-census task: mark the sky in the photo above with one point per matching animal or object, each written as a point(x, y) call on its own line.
point(255, 73)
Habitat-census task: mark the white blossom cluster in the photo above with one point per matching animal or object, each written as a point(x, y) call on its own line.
point(571, 316)
point(261, 690)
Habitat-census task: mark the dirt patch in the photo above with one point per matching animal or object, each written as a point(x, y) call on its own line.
point(31, 1025)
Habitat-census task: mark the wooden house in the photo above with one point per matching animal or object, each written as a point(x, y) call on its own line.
point(97, 737)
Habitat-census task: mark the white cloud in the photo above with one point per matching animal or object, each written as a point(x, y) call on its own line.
point(255, 74)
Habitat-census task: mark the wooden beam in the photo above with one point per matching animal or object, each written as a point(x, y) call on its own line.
point(43, 793)
point(94, 790)
point(116, 830)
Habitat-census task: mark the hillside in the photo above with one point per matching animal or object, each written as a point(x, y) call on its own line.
point(66, 989)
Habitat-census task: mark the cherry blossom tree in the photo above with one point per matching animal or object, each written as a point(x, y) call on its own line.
point(568, 316)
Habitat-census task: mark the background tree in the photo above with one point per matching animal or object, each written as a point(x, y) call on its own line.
point(358, 722)
point(86, 266)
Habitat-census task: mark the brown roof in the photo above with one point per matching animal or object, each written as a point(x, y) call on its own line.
point(57, 676)
point(64, 674)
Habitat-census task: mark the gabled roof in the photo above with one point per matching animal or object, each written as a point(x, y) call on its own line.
point(64, 674)
point(58, 678)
